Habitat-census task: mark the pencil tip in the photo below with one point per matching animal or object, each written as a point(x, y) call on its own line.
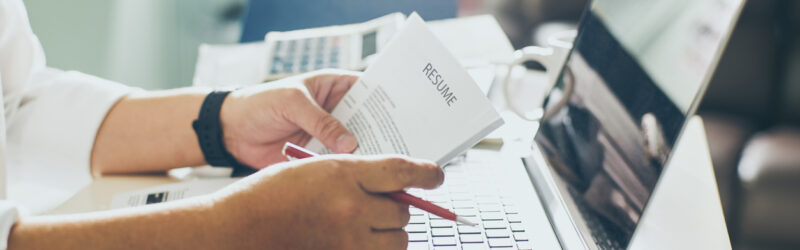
point(465, 221)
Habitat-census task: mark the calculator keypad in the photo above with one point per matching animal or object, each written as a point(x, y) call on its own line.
point(304, 55)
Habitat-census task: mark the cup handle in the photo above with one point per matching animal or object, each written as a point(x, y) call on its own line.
point(533, 53)
point(546, 57)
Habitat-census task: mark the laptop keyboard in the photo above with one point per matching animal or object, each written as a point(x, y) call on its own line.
point(470, 190)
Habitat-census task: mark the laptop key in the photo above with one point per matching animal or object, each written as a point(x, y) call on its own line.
point(487, 200)
point(463, 204)
point(416, 228)
point(492, 216)
point(497, 233)
point(501, 242)
point(521, 236)
point(443, 232)
point(417, 219)
point(508, 201)
point(471, 238)
point(418, 237)
point(514, 218)
point(517, 227)
point(442, 224)
point(512, 209)
point(444, 241)
point(493, 224)
point(524, 245)
point(418, 246)
point(461, 197)
point(436, 194)
point(435, 217)
point(459, 188)
point(466, 212)
point(484, 207)
point(469, 230)
point(473, 246)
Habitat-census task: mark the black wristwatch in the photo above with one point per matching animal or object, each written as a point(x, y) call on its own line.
point(208, 129)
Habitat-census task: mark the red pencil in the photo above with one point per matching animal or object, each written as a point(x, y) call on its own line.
point(293, 151)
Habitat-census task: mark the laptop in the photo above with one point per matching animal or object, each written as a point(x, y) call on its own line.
point(637, 71)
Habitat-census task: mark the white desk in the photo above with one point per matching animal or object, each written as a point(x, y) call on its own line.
point(97, 196)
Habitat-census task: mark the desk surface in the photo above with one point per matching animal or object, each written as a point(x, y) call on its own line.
point(97, 196)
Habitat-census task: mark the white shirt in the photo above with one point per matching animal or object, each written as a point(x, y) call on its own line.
point(47, 124)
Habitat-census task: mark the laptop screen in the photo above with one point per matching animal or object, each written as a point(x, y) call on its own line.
point(638, 69)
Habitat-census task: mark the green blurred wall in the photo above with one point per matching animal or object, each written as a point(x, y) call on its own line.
point(74, 34)
point(145, 43)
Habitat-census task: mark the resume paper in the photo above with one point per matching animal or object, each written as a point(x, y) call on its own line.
point(415, 99)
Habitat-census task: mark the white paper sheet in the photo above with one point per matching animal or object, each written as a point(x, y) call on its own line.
point(169, 192)
point(416, 100)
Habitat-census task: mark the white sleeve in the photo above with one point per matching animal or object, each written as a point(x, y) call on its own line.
point(9, 214)
point(51, 117)
point(56, 121)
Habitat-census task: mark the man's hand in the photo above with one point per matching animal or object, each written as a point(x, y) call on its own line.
point(258, 120)
point(329, 202)
point(150, 131)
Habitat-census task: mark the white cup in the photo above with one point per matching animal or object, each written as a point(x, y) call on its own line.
point(552, 58)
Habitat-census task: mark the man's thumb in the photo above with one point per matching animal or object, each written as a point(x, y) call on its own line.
point(322, 125)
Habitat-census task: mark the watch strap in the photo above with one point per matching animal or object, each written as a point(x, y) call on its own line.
point(208, 129)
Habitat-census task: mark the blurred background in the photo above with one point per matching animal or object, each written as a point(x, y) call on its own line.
point(751, 110)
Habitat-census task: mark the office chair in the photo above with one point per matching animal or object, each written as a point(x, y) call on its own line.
point(281, 15)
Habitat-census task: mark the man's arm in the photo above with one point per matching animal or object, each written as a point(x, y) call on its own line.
point(152, 131)
point(149, 132)
point(343, 209)
point(185, 224)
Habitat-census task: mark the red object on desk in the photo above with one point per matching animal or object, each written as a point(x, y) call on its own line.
point(290, 150)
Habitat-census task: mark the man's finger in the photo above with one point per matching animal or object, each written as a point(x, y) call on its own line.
point(328, 89)
point(321, 125)
point(397, 173)
point(339, 89)
point(383, 213)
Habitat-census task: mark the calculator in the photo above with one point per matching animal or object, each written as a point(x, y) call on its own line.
point(349, 46)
